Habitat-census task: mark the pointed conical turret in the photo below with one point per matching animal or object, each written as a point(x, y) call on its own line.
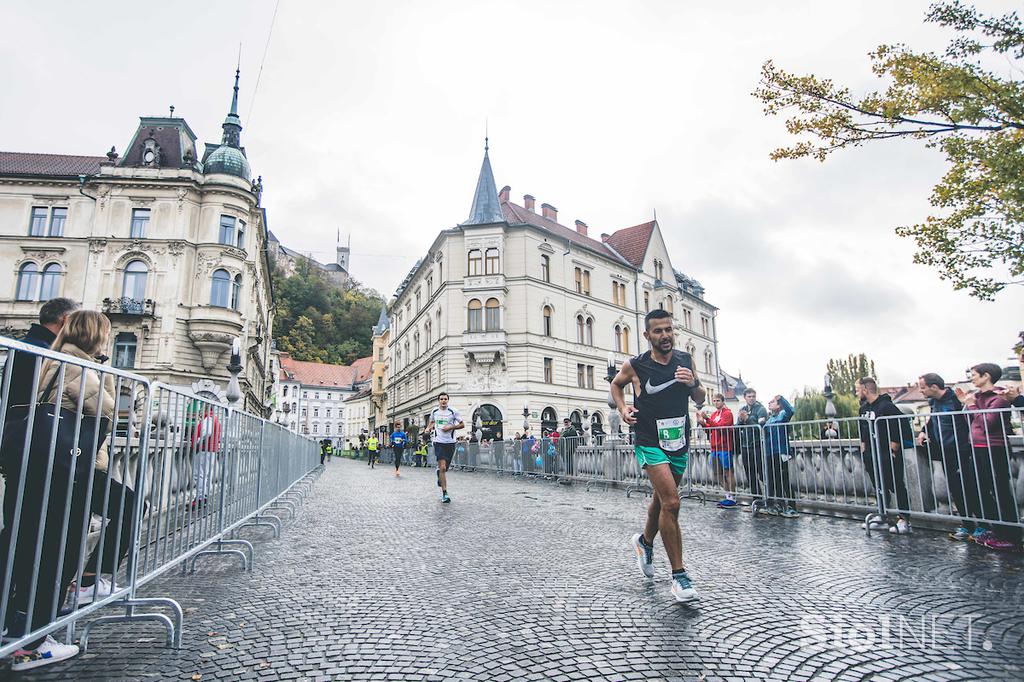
point(229, 158)
point(486, 208)
point(382, 321)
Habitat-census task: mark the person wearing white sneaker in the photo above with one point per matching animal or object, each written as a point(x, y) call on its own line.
point(875, 522)
point(46, 652)
point(901, 527)
point(663, 382)
point(87, 594)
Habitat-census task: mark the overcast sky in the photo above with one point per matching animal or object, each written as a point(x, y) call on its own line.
point(369, 118)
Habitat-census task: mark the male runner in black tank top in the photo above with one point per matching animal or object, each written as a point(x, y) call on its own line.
point(663, 383)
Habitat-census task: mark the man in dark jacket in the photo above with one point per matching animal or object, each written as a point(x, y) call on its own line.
point(891, 437)
point(568, 440)
point(948, 438)
point(52, 317)
point(751, 416)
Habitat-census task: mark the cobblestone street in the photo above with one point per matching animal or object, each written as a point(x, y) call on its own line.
point(375, 579)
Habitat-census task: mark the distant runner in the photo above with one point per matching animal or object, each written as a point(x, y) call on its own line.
point(398, 441)
point(442, 425)
point(663, 383)
point(371, 447)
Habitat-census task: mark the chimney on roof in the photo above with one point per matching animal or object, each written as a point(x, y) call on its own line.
point(549, 212)
point(581, 227)
point(503, 194)
point(605, 236)
point(528, 202)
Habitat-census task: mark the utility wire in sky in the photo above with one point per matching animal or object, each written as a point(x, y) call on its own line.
point(252, 103)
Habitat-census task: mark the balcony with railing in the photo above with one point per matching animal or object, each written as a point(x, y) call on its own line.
point(129, 307)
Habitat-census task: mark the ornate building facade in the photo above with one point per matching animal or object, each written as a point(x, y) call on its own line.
point(518, 316)
point(170, 244)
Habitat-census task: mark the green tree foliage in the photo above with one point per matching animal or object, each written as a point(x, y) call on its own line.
point(319, 321)
point(974, 115)
point(844, 373)
point(810, 405)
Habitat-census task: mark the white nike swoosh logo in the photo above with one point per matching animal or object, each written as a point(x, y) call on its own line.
point(650, 389)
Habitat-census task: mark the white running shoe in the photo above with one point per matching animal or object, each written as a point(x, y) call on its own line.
point(875, 524)
point(644, 555)
point(50, 651)
point(86, 595)
point(682, 589)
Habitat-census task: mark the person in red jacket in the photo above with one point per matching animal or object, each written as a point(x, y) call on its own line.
point(205, 445)
point(719, 426)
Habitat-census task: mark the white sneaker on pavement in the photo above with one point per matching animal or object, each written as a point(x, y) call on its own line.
point(87, 595)
point(901, 527)
point(50, 651)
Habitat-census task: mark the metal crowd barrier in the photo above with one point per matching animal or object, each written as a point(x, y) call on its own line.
point(182, 476)
point(829, 465)
point(964, 467)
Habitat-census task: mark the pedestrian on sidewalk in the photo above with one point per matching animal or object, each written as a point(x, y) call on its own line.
point(660, 414)
point(442, 425)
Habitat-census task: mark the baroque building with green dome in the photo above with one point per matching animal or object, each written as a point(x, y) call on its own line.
point(171, 245)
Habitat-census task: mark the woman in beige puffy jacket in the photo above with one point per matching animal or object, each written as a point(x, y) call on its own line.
point(99, 398)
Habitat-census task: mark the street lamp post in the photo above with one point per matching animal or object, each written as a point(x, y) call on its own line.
point(234, 392)
point(526, 417)
point(586, 426)
point(614, 420)
point(830, 408)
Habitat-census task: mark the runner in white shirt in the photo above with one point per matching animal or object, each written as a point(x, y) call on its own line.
point(442, 425)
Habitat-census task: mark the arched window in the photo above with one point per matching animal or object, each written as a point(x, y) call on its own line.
point(545, 268)
point(416, 344)
point(596, 423)
point(134, 287)
point(476, 320)
point(548, 419)
point(428, 329)
point(668, 304)
point(236, 291)
point(707, 360)
point(440, 329)
point(579, 329)
point(647, 301)
point(220, 290)
point(493, 320)
point(492, 264)
point(618, 339)
point(28, 282)
point(488, 419)
point(590, 331)
point(474, 263)
point(50, 285)
point(547, 320)
point(625, 339)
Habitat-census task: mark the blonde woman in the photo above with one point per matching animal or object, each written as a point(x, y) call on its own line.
point(84, 337)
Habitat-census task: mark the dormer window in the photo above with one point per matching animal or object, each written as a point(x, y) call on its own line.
point(150, 153)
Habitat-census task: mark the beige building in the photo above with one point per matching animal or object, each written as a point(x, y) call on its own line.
point(171, 244)
point(514, 312)
point(379, 380)
point(358, 412)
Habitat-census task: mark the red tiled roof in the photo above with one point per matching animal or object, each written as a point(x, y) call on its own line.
point(363, 368)
point(317, 373)
point(62, 165)
point(631, 242)
point(911, 395)
point(515, 213)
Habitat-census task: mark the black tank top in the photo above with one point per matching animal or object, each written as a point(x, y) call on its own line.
point(662, 399)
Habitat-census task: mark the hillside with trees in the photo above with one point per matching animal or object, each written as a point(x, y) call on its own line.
point(319, 321)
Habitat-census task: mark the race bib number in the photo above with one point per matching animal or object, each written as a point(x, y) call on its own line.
point(672, 433)
point(441, 422)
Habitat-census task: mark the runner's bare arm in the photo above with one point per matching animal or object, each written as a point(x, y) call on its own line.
point(625, 377)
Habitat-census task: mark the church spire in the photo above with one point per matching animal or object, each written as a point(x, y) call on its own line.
point(485, 209)
point(232, 123)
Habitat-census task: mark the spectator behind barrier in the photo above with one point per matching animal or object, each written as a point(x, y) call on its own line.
point(752, 414)
point(84, 336)
point(990, 433)
point(890, 437)
point(776, 438)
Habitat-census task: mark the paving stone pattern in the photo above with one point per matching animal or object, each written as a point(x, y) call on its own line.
point(520, 580)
